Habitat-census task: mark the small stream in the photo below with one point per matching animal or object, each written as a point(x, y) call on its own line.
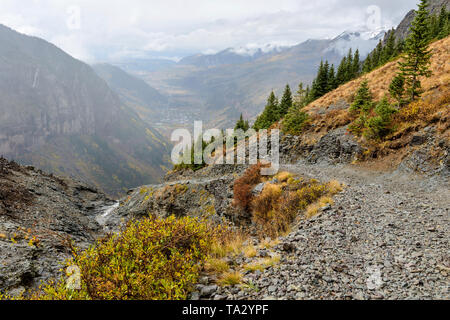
point(105, 212)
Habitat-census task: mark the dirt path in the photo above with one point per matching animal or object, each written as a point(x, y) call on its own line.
point(386, 237)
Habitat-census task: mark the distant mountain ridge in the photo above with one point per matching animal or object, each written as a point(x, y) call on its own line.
point(58, 115)
point(230, 56)
point(235, 81)
point(135, 92)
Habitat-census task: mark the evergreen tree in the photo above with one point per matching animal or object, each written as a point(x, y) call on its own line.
point(400, 46)
point(377, 55)
point(397, 89)
point(295, 121)
point(444, 23)
point(270, 114)
point(340, 76)
point(322, 79)
point(300, 97)
point(307, 99)
point(312, 93)
point(417, 60)
point(242, 124)
point(389, 48)
point(356, 65)
point(379, 126)
point(367, 66)
point(349, 66)
point(320, 84)
point(286, 101)
point(331, 79)
point(443, 17)
point(363, 101)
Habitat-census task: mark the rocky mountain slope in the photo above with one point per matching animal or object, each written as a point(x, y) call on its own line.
point(135, 92)
point(384, 237)
point(39, 215)
point(58, 115)
point(419, 143)
point(402, 31)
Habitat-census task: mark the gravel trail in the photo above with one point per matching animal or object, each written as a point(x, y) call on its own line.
point(386, 237)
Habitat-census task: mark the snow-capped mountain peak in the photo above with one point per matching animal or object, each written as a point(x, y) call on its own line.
point(364, 41)
point(253, 49)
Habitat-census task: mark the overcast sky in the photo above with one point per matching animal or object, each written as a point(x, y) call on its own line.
point(106, 30)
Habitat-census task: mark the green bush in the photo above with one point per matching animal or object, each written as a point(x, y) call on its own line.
point(363, 99)
point(295, 121)
point(379, 126)
point(153, 259)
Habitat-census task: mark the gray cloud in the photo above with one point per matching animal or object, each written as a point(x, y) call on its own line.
point(112, 29)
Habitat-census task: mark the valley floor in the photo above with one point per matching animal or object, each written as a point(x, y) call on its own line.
point(386, 237)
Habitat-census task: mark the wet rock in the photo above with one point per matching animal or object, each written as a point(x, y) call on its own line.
point(49, 209)
point(207, 291)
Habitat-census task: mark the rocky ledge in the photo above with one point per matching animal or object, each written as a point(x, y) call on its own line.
point(39, 215)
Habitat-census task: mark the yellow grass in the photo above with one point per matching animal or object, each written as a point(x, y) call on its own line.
point(231, 246)
point(312, 210)
point(269, 243)
point(216, 265)
point(334, 186)
point(263, 263)
point(249, 251)
point(283, 176)
point(230, 279)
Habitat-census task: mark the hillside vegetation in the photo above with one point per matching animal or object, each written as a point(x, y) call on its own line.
point(380, 79)
point(332, 110)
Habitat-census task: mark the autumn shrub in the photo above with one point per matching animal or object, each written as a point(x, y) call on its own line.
point(244, 185)
point(284, 176)
point(423, 110)
point(265, 205)
point(152, 259)
point(277, 206)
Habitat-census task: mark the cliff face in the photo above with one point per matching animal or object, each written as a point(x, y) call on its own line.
point(54, 108)
point(402, 30)
point(39, 213)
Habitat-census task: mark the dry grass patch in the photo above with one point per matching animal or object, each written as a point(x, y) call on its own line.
point(278, 205)
point(334, 187)
point(283, 176)
point(263, 264)
point(215, 265)
point(268, 243)
point(230, 279)
point(232, 243)
point(250, 251)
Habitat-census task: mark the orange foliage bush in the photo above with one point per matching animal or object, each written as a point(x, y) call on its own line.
point(244, 185)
